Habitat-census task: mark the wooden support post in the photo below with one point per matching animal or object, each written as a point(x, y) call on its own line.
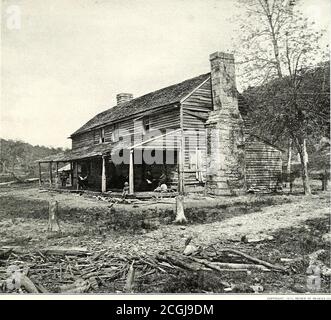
point(50, 173)
point(39, 165)
point(57, 184)
point(181, 154)
point(76, 174)
point(72, 173)
point(131, 175)
point(103, 177)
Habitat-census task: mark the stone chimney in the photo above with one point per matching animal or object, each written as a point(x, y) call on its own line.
point(225, 138)
point(123, 98)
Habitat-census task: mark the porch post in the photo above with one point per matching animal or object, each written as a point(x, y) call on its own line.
point(131, 176)
point(50, 173)
point(76, 173)
point(103, 176)
point(57, 176)
point(39, 165)
point(72, 173)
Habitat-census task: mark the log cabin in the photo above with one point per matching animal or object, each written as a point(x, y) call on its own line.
point(190, 136)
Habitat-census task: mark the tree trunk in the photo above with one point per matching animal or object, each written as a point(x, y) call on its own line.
point(325, 181)
point(304, 165)
point(3, 169)
point(180, 216)
point(289, 159)
point(53, 219)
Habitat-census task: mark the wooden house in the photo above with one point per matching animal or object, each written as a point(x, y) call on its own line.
point(190, 135)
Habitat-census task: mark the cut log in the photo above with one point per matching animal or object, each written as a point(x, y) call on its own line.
point(17, 280)
point(130, 279)
point(180, 216)
point(179, 261)
point(255, 260)
point(28, 284)
point(79, 286)
point(65, 251)
point(53, 219)
point(220, 265)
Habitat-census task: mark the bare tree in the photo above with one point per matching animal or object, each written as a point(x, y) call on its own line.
point(278, 42)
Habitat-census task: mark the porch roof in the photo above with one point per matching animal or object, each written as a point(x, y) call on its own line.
point(168, 140)
point(79, 153)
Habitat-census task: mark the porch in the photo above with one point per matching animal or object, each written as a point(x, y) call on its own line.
point(107, 167)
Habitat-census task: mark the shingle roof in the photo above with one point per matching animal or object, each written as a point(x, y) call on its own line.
point(150, 101)
point(79, 153)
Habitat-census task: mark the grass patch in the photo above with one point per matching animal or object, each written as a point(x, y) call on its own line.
point(18, 207)
point(12, 207)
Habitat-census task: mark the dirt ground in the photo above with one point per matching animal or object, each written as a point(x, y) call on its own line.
point(288, 218)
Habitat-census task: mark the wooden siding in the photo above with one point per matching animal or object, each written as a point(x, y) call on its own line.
point(196, 109)
point(84, 139)
point(160, 120)
point(263, 164)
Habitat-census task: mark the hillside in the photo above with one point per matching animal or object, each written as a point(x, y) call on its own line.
point(259, 104)
point(18, 158)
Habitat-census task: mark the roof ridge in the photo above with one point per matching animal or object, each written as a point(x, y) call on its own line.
point(167, 87)
point(154, 99)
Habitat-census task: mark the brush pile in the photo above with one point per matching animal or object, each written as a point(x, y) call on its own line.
point(78, 270)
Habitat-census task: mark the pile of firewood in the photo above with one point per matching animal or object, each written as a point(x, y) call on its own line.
point(77, 270)
point(67, 270)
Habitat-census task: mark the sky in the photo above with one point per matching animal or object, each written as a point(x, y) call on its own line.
point(64, 61)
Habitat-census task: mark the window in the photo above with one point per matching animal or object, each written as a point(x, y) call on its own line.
point(102, 135)
point(146, 124)
point(115, 133)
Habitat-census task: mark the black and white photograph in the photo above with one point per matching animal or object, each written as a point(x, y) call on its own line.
point(165, 147)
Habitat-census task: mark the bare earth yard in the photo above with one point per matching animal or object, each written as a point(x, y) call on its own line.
point(297, 224)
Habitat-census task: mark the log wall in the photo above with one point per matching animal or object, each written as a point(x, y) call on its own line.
point(263, 165)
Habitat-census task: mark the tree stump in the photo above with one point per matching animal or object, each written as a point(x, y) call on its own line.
point(180, 216)
point(53, 218)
